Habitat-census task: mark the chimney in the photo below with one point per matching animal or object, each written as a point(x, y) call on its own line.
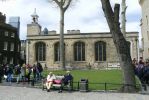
point(2, 18)
point(73, 31)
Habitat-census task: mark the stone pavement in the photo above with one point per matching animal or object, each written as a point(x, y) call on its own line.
point(24, 93)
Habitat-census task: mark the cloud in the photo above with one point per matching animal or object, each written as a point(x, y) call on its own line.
point(85, 15)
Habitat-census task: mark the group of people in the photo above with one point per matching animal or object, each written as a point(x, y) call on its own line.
point(21, 72)
point(51, 79)
point(141, 69)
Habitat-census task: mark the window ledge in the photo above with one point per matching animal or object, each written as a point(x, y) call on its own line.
point(100, 61)
point(80, 61)
point(42, 61)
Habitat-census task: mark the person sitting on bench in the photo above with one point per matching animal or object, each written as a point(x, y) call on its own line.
point(49, 82)
point(67, 78)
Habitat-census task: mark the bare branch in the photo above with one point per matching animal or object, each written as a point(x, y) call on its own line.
point(116, 15)
point(57, 2)
point(63, 2)
point(106, 6)
point(65, 8)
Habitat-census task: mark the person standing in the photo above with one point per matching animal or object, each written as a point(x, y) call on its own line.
point(40, 69)
point(10, 73)
point(28, 73)
point(23, 71)
point(34, 71)
point(18, 72)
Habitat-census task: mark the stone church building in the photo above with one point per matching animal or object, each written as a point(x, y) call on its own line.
point(81, 49)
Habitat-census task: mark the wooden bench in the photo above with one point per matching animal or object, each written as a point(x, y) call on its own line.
point(60, 86)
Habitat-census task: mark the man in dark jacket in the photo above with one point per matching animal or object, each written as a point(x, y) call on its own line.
point(67, 77)
point(40, 69)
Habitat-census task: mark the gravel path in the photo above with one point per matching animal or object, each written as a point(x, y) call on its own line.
point(23, 93)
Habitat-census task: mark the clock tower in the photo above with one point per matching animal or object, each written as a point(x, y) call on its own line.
point(34, 28)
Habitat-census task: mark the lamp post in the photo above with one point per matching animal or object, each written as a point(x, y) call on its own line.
point(0, 58)
point(137, 50)
point(28, 42)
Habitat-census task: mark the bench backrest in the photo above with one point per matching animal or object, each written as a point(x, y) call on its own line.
point(59, 77)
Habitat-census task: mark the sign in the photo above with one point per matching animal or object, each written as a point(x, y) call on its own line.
point(114, 65)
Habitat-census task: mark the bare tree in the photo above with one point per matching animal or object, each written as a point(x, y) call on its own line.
point(122, 46)
point(63, 6)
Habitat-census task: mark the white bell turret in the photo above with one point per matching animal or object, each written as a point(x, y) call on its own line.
point(35, 17)
point(34, 28)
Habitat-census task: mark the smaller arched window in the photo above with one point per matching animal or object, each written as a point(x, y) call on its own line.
point(79, 51)
point(40, 49)
point(57, 52)
point(100, 51)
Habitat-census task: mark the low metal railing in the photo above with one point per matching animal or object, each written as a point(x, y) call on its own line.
point(104, 86)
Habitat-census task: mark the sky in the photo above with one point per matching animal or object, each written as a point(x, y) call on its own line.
point(83, 15)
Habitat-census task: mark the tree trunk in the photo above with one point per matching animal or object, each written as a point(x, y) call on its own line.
point(123, 18)
point(63, 5)
point(62, 56)
point(122, 46)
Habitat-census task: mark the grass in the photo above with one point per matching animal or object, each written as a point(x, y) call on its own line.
point(97, 78)
point(94, 76)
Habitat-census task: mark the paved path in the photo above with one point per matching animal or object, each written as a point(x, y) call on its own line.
point(23, 93)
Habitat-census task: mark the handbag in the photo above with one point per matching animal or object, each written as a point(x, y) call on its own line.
point(56, 81)
point(5, 76)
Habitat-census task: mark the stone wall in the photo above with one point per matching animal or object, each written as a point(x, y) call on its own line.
point(112, 56)
point(144, 27)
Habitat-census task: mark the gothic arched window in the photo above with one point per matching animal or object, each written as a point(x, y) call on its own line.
point(100, 51)
point(57, 51)
point(79, 51)
point(40, 51)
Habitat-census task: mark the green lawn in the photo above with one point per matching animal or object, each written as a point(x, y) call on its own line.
point(96, 78)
